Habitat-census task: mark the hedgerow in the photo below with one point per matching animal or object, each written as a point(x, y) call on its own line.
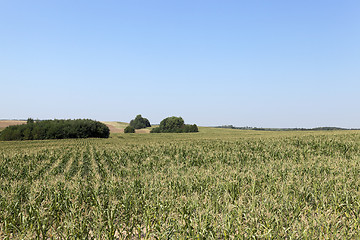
point(56, 129)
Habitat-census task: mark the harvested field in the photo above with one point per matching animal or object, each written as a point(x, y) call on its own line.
point(6, 123)
point(116, 127)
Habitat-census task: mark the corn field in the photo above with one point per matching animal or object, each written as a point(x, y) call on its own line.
point(215, 184)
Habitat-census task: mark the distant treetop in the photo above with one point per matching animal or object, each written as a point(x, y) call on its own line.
point(174, 125)
point(140, 122)
point(30, 121)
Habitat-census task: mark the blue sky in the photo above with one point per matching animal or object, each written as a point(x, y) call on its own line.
point(246, 63)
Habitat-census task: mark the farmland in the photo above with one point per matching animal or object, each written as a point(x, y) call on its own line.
point(215, 184)
point(5, 123)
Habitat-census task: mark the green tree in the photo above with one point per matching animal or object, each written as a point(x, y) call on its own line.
point(140, 122)
point(30, 121)
point(171, 124)
point(174, 125)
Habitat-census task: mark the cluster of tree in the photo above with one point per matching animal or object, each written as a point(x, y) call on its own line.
point(56, 129)
point(140, 122)
point(174, 125)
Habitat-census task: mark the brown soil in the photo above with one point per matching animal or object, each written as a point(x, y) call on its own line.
point(6, 123)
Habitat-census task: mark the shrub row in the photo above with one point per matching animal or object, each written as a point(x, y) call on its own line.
point(56, 129)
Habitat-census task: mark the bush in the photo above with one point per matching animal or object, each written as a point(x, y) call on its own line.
point(174, 125)
point(129, 129)
point(56, 129)
point(190, 128)
point(140, 122)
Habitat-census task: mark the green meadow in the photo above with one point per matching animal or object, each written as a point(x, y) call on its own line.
point(215, 184)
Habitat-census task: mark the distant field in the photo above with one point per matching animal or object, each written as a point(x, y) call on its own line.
point(6, 123)
point(215, 184)
point(118, 127)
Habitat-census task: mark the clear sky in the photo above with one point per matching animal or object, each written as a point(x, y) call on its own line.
point(246, 63)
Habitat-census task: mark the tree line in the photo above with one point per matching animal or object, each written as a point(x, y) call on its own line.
point(167, 125)
point(286, 129)
point(55, 129)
